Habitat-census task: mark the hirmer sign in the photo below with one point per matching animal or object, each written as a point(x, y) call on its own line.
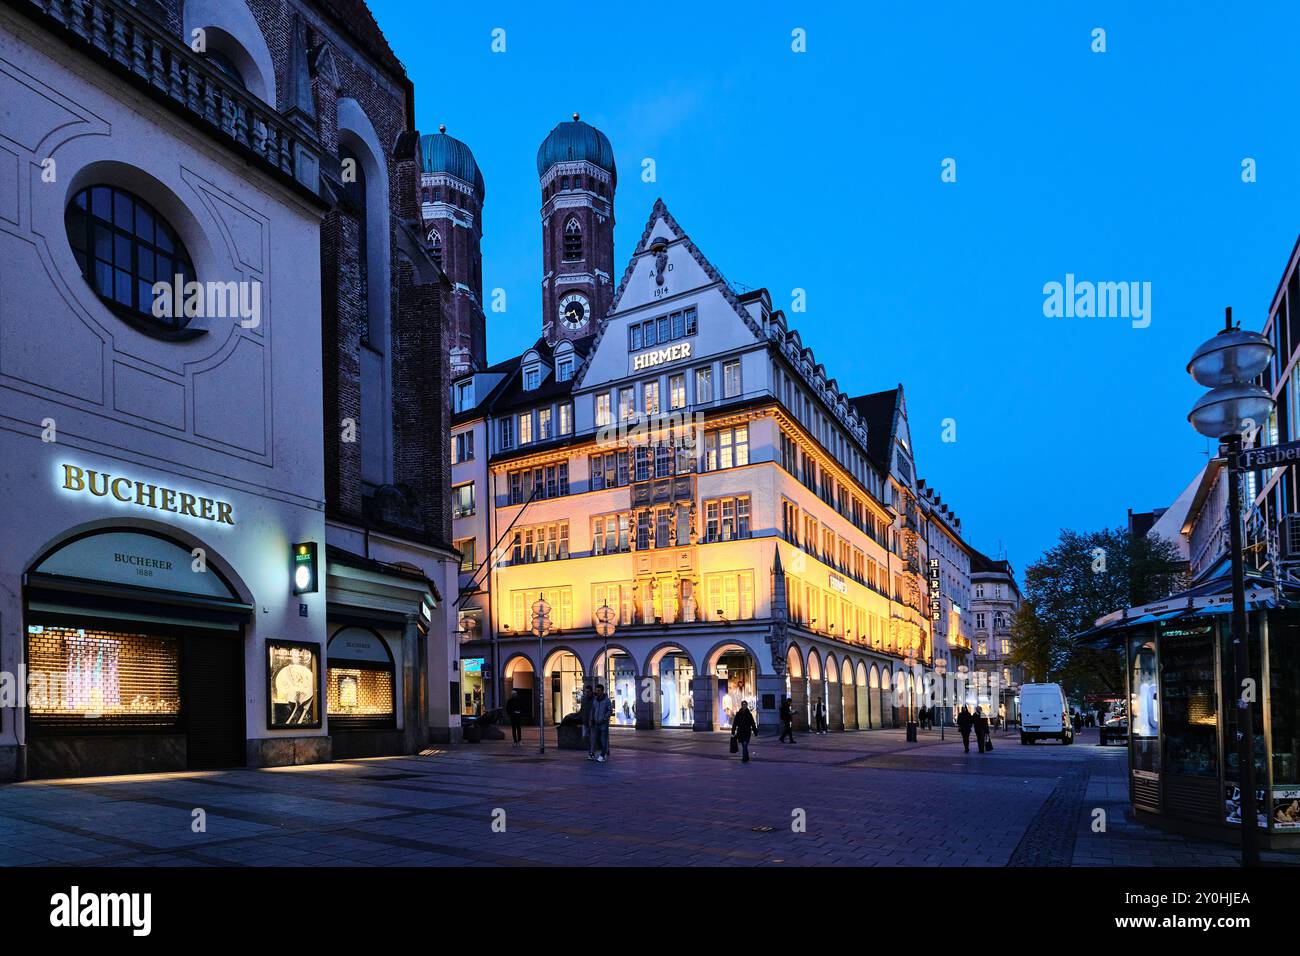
point(672, 353)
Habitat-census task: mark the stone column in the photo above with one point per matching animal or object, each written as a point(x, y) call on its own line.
point(415, 718)
point(767, 710)
point(850, 693)
point(647, 711)
point(799, 701)
point(835, 706)
point(704, 690)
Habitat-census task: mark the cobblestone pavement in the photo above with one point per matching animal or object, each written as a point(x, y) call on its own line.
point(664, 798)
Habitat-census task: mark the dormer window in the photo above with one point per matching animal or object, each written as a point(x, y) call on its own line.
point(463, 396)
point(564, 370)
point(532, 377)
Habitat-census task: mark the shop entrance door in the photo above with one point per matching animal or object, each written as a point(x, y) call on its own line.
point(212, 683)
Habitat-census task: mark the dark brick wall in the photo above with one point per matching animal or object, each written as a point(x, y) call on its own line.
point(598, 252)
point(462, 261)
point(419, 342)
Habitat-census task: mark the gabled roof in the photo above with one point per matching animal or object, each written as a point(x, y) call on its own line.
point(660, 211)
point(355, 18)
point(880, 411)
point(509, 393)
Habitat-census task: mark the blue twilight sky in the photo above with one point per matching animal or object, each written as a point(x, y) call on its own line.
point(821, 171)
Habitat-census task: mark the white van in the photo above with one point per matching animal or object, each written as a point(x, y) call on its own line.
point(1044, 713)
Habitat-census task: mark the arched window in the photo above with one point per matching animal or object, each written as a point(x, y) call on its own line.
point(226, 65)
point(354, 188)
point(435, 245)
point(572, 240)
point(123, 247)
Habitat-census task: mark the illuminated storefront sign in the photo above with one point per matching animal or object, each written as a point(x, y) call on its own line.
point(142, 494)
point(671, 353)
point(837, 583)
point(936, 603)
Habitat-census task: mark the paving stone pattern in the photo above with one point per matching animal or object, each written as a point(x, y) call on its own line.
point(664, 798)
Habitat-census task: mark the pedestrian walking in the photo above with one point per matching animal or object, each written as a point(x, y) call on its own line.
point(981, 730)
point(1077, 721)
point(787, 720)
point(602, 708)
point(820, 711)
point(964, 724)
point(584, 713)
point(515, 711)
point(743, 727)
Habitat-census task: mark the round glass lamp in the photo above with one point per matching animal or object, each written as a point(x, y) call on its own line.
point(1231, 357)
point(1230, 410)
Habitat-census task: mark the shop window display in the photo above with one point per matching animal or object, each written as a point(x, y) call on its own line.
point(676, 696)
point(471, 686)
point(620, 684)
point(359, 692)
point(79, 675)
point(736, 683)
point(293, 671)
point(566, 687)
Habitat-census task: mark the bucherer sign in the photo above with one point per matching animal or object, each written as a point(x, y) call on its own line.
point(142, 494)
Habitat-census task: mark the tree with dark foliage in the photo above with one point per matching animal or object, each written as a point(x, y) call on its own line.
point(1084, 577)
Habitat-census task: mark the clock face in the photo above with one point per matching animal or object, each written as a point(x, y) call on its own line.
point(573, 311)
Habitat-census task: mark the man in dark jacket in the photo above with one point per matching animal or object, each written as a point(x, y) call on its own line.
point(602, 708)
point(743, 727)
point(515, 711)
point(964, 724)
point(981, 730)
point(787, 720)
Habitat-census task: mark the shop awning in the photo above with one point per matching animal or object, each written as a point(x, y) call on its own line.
point(1210, 596)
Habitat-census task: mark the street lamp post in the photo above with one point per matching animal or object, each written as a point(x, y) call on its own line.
point(541, 627)
point(605, 627)
point(1228, 365)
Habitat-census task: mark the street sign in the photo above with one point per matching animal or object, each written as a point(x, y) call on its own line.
point(1270, 456)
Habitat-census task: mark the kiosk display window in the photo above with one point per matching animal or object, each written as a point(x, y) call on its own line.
point(1189, 700)
point(293, 680)
point(1144, 705)
point(1284, 699)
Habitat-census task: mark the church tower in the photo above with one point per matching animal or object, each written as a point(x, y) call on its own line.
point(451, 204)
point(575, 168)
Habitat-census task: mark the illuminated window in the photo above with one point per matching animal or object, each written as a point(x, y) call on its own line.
point(109, 678)
point(726, 448)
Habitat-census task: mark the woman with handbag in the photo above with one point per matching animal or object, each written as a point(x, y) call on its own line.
point(742, 728)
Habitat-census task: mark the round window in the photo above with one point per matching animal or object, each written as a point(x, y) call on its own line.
point(123, 247)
